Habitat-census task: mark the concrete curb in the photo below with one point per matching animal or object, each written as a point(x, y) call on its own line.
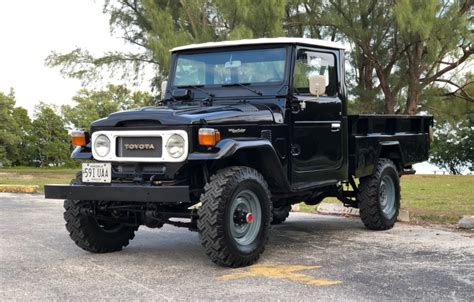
point(339, 209)
point(403, 215)
point(336, 209)
point(467, 222)
point(19, 188)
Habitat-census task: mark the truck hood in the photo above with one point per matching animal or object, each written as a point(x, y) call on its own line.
point(185, 115)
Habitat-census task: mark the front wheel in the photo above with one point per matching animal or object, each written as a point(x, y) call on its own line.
point(91, 234)
point(235, 216)
point(379, 197)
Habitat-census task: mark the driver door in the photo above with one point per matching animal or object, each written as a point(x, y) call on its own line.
point(316, 148)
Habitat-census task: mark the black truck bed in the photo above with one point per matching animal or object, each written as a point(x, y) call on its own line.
point(402, 137)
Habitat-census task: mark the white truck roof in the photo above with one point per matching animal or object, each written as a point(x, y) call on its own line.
point(283, 40)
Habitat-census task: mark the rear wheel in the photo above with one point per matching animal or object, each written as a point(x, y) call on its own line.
point(379, 197)
point(235, 216)
point(91, 234)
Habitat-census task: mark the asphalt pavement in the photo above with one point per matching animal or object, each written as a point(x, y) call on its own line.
point(309, 257)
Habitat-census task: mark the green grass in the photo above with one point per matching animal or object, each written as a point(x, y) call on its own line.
point(432, 198)
point(438, 198)
point(36, 176)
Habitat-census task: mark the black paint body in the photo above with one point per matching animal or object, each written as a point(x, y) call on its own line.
point(297, 151)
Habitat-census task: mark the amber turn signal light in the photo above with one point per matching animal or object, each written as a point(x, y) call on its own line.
point(209, 137)
point(78, 138)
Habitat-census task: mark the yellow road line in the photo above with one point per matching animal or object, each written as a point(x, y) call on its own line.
point(288, 272)
point(19, 188)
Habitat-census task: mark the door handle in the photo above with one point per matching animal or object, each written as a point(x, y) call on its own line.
point(335, 127)
point(295, 150)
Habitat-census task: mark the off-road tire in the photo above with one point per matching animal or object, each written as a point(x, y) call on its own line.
point(86, 232)
point(280, 214)
point(368, 197)
point(214, 231)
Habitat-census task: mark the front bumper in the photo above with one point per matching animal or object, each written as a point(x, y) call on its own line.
point(119, 192)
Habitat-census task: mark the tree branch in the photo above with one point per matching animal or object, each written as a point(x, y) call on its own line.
point(467, 52)
point(460, 92)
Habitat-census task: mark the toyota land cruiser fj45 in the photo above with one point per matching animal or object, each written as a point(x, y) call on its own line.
point(244, 129)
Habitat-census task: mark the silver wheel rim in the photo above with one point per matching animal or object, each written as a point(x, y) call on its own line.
point(245, 202)
point(387, 196)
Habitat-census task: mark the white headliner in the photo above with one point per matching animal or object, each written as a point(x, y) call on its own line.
point(312, 42)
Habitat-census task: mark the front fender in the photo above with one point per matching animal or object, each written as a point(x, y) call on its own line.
point(255, 152)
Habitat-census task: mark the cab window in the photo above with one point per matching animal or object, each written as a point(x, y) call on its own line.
point(315, 63)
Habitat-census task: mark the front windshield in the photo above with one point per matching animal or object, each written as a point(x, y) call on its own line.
point(228, 67)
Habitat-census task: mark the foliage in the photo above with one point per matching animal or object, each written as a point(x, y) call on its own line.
point(448, 106)
point(405, 44)
point(90, 105)
point(155, 26)
point(45, 140)
point(435, 38)
point(49, 138)
point(10, 134)
point(453, 149)
point(398, 47)
point(23, 154)
point(370, 28)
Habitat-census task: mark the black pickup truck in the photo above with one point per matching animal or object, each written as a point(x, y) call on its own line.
point(244, 129)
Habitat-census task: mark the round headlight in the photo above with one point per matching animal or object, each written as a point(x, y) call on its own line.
point(175, 146)
point(102, 145)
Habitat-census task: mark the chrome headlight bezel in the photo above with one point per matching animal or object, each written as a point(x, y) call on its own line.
point(102, 145)
point(175, 146)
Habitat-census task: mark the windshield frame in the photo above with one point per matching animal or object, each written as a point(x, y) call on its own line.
point(218, 87)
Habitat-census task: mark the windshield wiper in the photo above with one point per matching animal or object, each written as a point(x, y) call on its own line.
point(245, 86)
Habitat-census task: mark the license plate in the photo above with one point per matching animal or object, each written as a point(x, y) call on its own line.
point(97, 172)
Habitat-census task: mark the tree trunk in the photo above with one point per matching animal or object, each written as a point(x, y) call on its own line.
point(389, 99)
point(415, 69)
point(413, 98)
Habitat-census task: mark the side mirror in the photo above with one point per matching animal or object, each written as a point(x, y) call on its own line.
point(164, 84)
point(317, 84)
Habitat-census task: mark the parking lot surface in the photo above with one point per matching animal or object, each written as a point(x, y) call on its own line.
point(309, 257)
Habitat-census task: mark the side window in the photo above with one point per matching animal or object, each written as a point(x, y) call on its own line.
point(315, 63)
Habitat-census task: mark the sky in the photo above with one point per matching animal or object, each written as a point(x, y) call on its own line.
point(30, 30)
